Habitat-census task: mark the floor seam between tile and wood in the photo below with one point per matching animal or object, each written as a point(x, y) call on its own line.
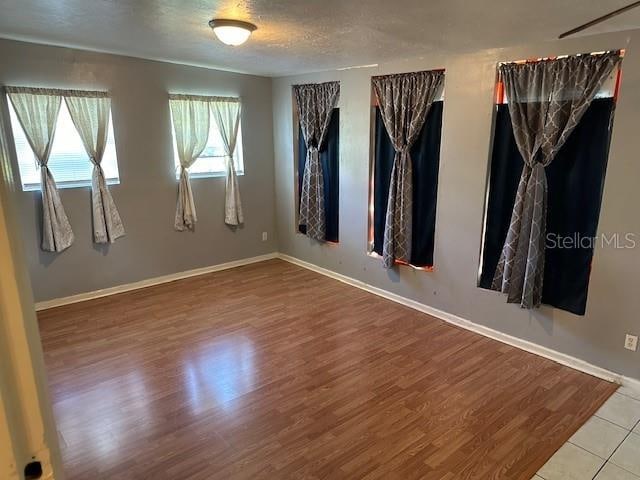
point(557, 466)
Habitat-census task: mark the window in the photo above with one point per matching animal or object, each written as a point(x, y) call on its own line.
point(68, 162)
point(211, 163)
point(425, 156)
point(330, 159)
point(316, 125)
point(575, 182)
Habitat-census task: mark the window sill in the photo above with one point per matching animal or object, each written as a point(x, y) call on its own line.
point(209, 175)
point(33, 187)
point(330, 243)
point(429, 269)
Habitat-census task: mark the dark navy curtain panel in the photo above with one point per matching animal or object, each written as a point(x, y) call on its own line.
point(575, 182)
point(329, 159)
point(425, 154)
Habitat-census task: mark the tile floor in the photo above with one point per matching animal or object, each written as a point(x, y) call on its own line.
point(607, 446)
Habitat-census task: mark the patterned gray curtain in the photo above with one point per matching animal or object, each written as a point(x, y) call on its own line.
point(546, 101)
point(404, 100)
point(314, 102)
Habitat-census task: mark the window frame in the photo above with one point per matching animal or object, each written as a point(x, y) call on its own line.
point(500, 98)
point(296, 170)
point(608, 90)
point(335, 174)
point(60, 184)
point(370, 252)
point(238, 153)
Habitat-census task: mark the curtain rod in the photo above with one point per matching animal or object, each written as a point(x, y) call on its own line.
point(58, 92)
point(314, 84)
point(435, 70)
point(621, 52)
point(203, 98)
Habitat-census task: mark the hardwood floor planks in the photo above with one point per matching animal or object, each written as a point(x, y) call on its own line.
point(272, 371)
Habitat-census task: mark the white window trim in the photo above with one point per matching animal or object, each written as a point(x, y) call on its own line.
point(193, 176)
point(35, 187)
point(198, 175)
point(607, 89)
point(61, 185)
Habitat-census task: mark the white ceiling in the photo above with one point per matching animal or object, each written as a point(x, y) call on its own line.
point(298, 36)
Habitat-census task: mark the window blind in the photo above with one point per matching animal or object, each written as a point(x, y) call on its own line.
point(68, 162)
point(212, 160)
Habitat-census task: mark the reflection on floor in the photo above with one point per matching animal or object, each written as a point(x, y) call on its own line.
point(272, 371)
point(607, 447)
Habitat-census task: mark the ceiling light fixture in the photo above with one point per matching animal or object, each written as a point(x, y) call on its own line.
point(232, 32)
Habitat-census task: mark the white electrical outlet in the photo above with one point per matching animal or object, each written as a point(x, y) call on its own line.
point(631, 342)
point(264, 236)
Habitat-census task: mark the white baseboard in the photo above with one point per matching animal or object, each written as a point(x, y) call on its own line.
point(81, 297)
point(545, 352)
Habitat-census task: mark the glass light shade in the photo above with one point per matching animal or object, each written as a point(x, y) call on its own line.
point(232, 32)
point(232, 35)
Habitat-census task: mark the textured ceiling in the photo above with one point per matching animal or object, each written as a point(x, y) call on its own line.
point(298, 36)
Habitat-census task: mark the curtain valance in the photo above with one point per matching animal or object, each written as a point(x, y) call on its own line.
point(56, 92)
point(539, 69)
point(561, 58)
point(563, 88)
point(203, 98)
point(314, 103)
point(408, 76)
point(404, 100)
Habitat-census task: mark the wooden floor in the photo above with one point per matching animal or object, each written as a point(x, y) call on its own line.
point(272, 371)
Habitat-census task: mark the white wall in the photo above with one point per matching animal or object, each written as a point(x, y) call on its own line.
point(614, 299)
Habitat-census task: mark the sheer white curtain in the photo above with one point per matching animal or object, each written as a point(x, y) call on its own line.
point(90, 114)
point(190, 117)
point(226, 113)
point(37, 111)
point(5, 165)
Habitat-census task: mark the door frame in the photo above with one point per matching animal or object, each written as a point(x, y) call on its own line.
point(27, 428)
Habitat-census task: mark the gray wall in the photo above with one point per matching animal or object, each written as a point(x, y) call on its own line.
point(146, 196)
point(614, 299)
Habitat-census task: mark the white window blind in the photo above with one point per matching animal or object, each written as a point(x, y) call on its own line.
point(68, 162)
point(212, 161)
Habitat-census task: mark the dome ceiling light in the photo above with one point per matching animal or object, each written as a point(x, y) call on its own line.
point(232, 32)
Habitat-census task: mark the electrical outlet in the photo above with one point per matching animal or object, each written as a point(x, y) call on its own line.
point(631, 342)
point(265, 236)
